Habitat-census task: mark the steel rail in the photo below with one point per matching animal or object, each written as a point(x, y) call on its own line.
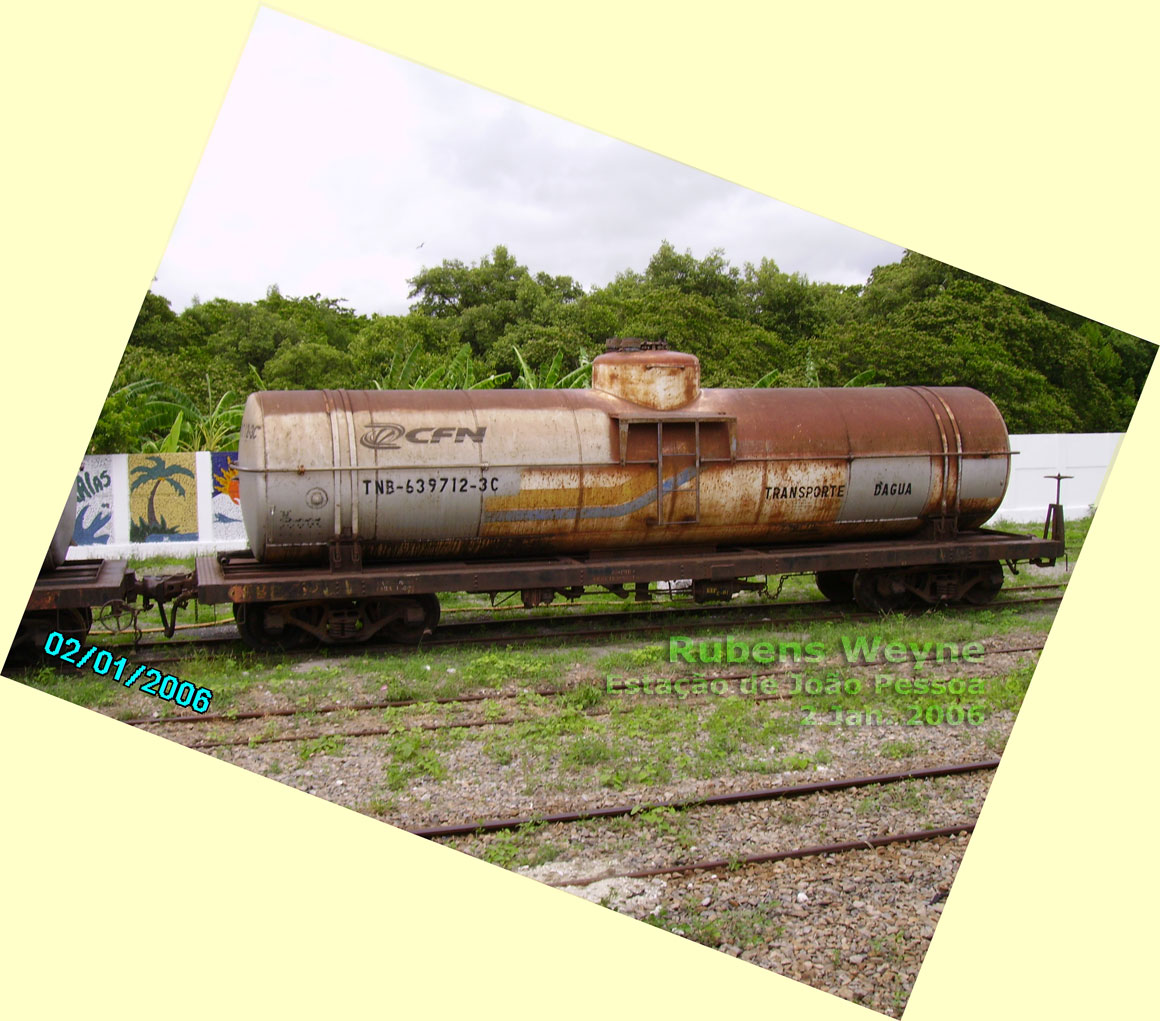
point(868, 843)
point(732, 798)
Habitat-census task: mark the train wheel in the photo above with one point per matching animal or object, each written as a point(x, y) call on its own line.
point(836, 586)
point(988, 585)
point(263, 627)
point(411, 633)
point(879, 592)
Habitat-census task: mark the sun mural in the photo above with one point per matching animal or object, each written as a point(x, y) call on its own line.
point(225, 502)
point(226, 481)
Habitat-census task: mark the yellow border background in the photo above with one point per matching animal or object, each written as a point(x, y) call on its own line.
point(145, 879)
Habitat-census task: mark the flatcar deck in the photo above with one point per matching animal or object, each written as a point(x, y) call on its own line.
point(239, 578)
point(81, 583)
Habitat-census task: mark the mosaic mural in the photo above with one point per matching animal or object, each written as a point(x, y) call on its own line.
point(226, 522)
point(162, 498)
point(95, 498)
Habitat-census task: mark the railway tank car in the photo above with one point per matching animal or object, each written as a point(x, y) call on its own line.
point(360, 506)
point(643, 458)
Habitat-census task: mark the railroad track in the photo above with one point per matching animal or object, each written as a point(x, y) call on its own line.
point(638, 860)
point(785, 887)
point(816, 850)
point(683, 804)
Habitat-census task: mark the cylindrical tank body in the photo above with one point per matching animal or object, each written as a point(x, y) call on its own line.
point(447, 473)
point(62, 537)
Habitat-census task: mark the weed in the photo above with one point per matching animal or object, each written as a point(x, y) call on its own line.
point(587, 751)
point(520, 847)
point(616, 662)
point(325, 745)
point(491, 669)
point(1007, 692)
point(570, 721)
point(411, 756)
point(757, 766)
point(741, 926)
point(646, 773)
point(493, 710)
point(587, 696)
point(502, 756)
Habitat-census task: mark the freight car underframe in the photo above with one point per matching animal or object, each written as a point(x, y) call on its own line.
point(350, 602)
point(62, 600)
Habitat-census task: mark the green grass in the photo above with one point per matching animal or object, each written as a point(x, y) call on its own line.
point(519, 847)
point(81, 687)
point(146, 565)
point(632, 659)
point(587, 751)
point(899, 749)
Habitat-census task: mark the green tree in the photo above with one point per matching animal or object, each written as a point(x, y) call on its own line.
point(308, 365)
point(711, 278)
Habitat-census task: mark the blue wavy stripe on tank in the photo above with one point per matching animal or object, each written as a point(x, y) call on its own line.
point(603, 511)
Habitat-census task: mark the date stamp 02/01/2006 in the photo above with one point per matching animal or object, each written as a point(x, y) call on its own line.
point(168, 688)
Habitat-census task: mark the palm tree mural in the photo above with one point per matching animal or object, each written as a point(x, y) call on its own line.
point(157, 471)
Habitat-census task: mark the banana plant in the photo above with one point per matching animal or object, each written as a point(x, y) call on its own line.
point(551, 378)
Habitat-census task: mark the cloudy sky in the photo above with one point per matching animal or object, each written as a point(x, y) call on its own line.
point(337, 169)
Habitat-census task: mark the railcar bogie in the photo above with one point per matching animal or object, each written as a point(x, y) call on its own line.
point(292, 625)
point(892, 589)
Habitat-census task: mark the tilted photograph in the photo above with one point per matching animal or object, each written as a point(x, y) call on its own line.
point(580, 511)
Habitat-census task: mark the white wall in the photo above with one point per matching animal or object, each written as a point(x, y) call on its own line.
point(1087, 456)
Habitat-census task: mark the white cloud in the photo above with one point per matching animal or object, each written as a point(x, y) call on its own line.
point(331, 162)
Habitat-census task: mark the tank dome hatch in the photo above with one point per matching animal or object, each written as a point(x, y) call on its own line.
point(647, 374)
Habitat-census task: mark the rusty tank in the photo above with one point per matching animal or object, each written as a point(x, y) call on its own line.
point(644, 458)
